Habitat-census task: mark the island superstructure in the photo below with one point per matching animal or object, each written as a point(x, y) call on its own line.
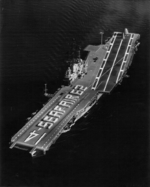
point(104, 67)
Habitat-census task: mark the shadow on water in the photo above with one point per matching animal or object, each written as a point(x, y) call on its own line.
point(110, 146)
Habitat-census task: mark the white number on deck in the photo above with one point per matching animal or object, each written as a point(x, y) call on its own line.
point(31, 136)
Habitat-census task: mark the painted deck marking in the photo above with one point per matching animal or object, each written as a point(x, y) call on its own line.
point(31, 136)
point(40, 138)
point(123, 59)
point(113, 64)
point(104, 60)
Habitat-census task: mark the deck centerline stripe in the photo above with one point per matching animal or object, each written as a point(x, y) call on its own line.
point(94, 87)
point(123, 59)
point(40, 138)
point(113, 64)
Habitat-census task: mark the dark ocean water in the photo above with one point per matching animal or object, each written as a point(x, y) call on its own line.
point(108, 148)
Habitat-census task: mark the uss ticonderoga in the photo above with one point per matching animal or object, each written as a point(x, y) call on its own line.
point(104, 67)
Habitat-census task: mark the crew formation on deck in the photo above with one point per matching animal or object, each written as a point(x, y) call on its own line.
point(59, 110)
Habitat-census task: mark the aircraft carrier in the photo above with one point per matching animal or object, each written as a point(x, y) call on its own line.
point(103, 68)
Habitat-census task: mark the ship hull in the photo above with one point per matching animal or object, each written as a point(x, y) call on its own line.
point(107, 65)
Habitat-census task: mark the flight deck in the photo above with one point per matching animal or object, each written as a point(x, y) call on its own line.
point(104, 68)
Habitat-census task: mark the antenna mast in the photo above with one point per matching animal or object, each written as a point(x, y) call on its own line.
point(45, 90)
point(101, 33)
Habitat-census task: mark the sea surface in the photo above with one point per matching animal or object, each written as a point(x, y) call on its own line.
point(110, 147)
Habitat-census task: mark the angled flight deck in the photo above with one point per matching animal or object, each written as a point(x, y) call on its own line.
point(103, 68)
point(115, 62)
